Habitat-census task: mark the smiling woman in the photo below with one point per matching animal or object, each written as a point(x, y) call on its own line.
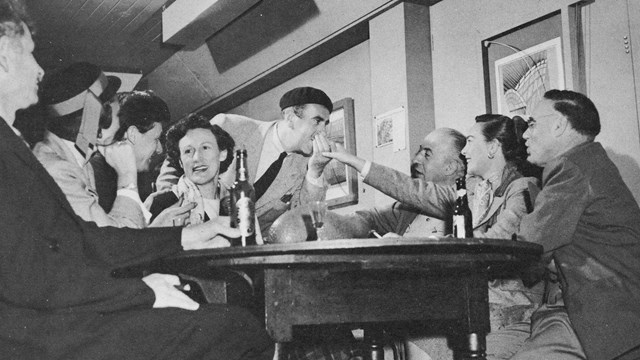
point(200, 152)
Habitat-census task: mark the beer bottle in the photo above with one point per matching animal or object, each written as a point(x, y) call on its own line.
point(243, 199)
point(462, 224)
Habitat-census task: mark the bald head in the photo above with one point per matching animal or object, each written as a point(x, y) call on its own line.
point(438, 159)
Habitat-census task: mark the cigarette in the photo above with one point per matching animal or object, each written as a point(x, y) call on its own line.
point(375, 233)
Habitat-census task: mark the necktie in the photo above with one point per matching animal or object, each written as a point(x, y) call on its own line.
point(483, 197)
point(262, 184)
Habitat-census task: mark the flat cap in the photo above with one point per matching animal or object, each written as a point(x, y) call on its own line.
point(305, 95)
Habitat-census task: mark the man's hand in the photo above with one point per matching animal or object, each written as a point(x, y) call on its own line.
point(121, 158)
point(318, 160)
point(211, 234)
point(341, 154)
point(167, 295)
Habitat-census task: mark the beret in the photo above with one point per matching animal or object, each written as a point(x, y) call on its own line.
point(62, 92)
point(305, 95)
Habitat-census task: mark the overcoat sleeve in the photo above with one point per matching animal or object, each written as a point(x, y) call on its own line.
point(432, 199)
point(558, 207)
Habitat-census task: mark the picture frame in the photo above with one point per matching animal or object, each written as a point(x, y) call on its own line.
point(384, 131)
point(523, 77)
point(342, 179)
point(522, 63)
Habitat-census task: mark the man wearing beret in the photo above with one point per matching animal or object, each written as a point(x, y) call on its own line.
point(58, 299)
point(284, 156)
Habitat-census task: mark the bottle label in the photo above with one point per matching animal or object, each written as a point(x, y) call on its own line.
point(458, 226)
point(245, 216)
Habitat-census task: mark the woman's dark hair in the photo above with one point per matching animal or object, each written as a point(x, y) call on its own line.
point(509, 132)
point(141, 109)
point(196, 121)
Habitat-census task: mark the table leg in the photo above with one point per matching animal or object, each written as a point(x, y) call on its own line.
point(476, 346)
point(281, 351)
point(374, 343)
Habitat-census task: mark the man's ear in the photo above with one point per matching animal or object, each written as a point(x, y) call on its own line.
point(289, 117)
point(132, 134)
point(451, 167)
point(5, 47)
point(560, 125)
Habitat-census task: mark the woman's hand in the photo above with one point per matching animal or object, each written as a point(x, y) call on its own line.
point(341, 154)
point(211, 234)
point(175, 214)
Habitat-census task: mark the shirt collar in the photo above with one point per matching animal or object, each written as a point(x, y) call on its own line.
point(277, 144)
point(76, 154)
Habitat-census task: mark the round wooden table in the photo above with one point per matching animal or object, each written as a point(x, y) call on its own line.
point(361, 282)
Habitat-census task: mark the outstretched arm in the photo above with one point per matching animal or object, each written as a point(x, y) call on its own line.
point(345, 157)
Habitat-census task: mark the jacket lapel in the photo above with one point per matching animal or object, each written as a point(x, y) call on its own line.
point(495, 205)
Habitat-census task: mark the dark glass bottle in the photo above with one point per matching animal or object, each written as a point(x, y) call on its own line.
point(462, 223)
point(243, 199)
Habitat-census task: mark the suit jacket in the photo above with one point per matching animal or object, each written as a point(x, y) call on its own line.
point(55, 268)
point(395, 218)
point(78, 184)
point(511, 200)
point(588, 221)
point(510, 300)
point(290, 181)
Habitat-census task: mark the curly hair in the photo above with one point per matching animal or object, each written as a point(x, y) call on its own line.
point(196, 121)
point(141, 109)
point(509, 132)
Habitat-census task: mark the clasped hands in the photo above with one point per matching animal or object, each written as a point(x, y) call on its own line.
point(318, 160)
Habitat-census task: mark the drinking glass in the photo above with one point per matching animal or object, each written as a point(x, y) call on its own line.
point(317, 210)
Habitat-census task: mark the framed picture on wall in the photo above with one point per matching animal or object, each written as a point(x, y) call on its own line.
point(521, 64)
point(523, 77)
point(342, 179)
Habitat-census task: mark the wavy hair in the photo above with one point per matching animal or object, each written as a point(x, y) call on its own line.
point(196, 121)
point(578, 109)
point(141, 109)
point(508, 132)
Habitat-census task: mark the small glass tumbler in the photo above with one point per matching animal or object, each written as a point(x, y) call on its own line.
point(318, 210)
